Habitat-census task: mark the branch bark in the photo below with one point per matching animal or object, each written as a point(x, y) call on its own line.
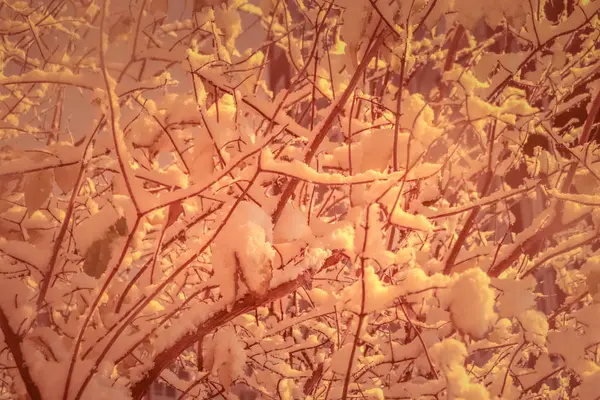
point(13, 341)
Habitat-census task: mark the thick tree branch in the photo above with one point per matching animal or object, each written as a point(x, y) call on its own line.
point(242, 306)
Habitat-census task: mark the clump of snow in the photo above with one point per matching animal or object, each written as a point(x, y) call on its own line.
point(322, 296)
point(416, 280)
point(406, 256)
point(502, 331)
point(449, 355)
point(517, 296)
point(245, 241)
point(341, 358)
point(377, 295)
point(37, 256)
point(102, 387)
point(335, 236)
point(97, 225)
point(14, 295)
point(314, 257)
point(467, 79)
point(402, 218)
point(460, 385)
point(225, 356)
point(304, 172)
point(292, 225)
point(535, 325)
point(472, 303)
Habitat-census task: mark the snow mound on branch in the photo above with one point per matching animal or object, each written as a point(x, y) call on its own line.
point(224, 356)
point(535, 325)
point(517, 295)
point(103, 388)
point(291, 226)
point(419, 222)
point(245, 241)
point(338, 235)
point(341, 358)
point(449, 355)
point(377, 295)
point(472, 303)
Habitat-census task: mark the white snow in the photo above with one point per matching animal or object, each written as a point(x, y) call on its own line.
point(406, 220)
point(472, 303)
point(535, 325)
point(246, 239)
point(26, 252)
point(292, 225)
point(378, 296)
point(449, 355)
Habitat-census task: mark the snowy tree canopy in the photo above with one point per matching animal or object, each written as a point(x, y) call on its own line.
point(300, 199)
